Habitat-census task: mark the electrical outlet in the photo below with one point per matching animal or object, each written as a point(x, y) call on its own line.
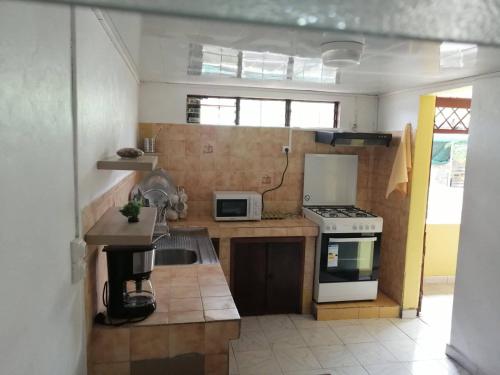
point(284, 149)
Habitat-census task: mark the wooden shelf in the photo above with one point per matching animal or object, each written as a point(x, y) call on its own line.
point(114, 229)
point(143, 163)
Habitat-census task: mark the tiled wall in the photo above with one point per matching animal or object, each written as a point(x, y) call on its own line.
point(206, 158)
point(395, 211)
point(191, 348)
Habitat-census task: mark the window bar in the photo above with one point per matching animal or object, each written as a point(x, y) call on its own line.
point(336, 115)
point(288, 112)
point(237, 117)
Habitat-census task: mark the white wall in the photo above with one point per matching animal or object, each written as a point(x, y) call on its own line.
point(166, 102)
point(476, 318)
point(42, 323)
point(107, 104)
point(396, 109)
point(41, 313)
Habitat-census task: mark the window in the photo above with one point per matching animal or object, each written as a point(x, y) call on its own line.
point(213, 110)
point(257, 112)
point(312, 114)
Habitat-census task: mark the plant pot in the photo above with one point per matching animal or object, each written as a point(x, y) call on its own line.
point(133, 219)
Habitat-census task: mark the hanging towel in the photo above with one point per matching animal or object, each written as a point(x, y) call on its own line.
point(402, 164)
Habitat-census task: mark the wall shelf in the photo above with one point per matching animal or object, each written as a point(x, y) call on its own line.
point(114, 229)
point(143, 163)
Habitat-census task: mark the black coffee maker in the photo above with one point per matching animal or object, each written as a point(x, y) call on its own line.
point(128, 293)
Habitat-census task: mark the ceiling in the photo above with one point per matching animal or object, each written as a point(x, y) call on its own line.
point(387, 64)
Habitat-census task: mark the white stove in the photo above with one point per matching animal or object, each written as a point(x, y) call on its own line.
point(343, 219)
point(348, 246)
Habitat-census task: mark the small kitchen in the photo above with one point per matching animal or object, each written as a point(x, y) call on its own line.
point(254, 202)
point(233, 199)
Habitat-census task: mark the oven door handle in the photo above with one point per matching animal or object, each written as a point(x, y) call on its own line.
point(357, 239)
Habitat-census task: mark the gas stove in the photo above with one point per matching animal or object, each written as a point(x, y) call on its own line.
point(343, 219)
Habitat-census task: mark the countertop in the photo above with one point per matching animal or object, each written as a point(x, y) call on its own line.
point(290, 227)
point(190, 294)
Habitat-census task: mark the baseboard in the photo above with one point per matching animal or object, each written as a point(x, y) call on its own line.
point(462, 360)
point(409, 314)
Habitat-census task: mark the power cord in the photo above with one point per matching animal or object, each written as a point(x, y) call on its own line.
point(281, 182)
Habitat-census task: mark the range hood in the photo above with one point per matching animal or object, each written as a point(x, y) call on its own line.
point(353, 138)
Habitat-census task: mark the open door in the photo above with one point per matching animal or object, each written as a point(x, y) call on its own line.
point(444, 198)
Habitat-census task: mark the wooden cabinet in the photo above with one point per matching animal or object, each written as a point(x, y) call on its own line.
point(267, 274)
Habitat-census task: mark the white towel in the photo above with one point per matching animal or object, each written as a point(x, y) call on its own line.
point(402, 165)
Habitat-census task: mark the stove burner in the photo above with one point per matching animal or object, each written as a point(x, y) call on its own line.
point(340, 211)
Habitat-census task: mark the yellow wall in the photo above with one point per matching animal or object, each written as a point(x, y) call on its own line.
point(418, 202)
point(441, 248)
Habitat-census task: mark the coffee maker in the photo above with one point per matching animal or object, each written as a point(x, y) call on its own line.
point(128, 293)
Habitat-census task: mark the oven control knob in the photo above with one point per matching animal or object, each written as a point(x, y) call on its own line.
point(366, 227)
point(334, 227)
point(328, 227)
point(373, 226)
point(354, 227)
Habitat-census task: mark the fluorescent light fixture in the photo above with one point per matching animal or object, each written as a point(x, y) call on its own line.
point(457, 55)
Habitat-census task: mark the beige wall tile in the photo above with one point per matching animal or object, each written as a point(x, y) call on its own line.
point(110, 344)
point(186, 338)
point(149, 342)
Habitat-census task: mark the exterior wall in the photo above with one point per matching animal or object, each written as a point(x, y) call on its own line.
point(41, 317)
point(166, 103)
point(441, 249)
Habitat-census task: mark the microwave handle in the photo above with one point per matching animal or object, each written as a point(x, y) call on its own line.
point(357, 239)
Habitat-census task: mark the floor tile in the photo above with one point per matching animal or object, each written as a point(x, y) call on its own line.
point(307, 321)
point(319, 336)
point(260, 362)
point(371, 353)
point(387, 333)
point(409, 350)
point(351, 370)
point(334, 356)
point(293, 359)
point(250, 323)
point(388, 369)
point(285, 338)
point(233, 367)
point(250, 341)
point(275, 322)
point(435, 367)
point(353, 334)
point(344, 322)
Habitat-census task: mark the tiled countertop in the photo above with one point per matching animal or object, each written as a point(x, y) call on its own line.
point(190, 294)
point(290, 227)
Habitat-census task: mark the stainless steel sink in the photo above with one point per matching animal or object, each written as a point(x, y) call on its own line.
point(185, 246)
point(175, 256)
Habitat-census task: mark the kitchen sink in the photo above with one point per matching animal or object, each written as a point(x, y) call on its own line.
point(165, 257)
point(190, 245)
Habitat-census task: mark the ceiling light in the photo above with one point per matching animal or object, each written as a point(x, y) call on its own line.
point(341, 54)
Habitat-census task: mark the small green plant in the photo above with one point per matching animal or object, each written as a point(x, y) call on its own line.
point(132, 210)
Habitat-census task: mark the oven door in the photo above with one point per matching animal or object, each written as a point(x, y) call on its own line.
point(349, 257)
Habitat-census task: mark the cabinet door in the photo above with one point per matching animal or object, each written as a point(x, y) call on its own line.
point(248, 273)
point(284, 276)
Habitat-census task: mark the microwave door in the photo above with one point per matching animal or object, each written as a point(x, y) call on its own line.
point(234, 208)
point(348, 259)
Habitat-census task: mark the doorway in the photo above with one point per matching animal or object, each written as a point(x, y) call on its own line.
point(444, 208)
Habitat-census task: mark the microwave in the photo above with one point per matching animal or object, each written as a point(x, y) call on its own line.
point(237, 205)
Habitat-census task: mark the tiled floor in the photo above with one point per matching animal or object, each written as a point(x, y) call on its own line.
point(300, 345)
point(437, 306)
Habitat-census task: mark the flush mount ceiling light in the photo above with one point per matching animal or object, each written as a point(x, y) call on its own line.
point(341, 54)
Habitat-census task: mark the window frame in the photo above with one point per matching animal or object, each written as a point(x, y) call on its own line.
point(288, 107)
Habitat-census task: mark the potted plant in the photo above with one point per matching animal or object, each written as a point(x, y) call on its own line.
point(132, 210)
